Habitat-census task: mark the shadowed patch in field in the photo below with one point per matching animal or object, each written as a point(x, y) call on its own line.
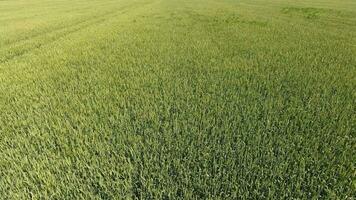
point(309, 12)
point(226, 19)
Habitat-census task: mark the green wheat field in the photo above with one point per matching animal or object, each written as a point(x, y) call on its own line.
point(177, 99)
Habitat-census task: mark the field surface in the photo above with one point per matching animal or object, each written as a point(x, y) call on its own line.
point(177, 99)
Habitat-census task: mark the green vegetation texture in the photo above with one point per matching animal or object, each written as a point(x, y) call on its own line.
point(177, 99)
